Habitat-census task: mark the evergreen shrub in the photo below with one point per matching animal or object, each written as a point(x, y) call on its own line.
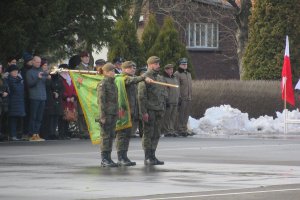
point(257, 98)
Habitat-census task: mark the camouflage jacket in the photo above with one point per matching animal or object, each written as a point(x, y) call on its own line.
point(151, 96)
point(107, 92)
point(131, 90)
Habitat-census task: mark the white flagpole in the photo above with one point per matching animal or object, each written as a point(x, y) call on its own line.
point(285, 111)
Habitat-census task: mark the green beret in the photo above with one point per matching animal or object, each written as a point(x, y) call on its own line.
point(127, 64)
point(108, 67)
point(168, 66)
point(153, 59)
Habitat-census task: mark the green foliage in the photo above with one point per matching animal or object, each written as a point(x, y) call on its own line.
point(124, 42)
point(167, 45)
point(149, 36)
point(270, 22)
point(56, 27)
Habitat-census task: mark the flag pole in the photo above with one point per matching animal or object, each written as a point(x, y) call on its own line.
point(58, 70)
point(285, 111)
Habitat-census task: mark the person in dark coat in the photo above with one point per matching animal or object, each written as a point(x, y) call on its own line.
point(16, 110)
point(27, 66)
point(53, 107)
point(3, 104)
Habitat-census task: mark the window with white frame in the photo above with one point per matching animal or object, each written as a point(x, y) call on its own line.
point(203, 35)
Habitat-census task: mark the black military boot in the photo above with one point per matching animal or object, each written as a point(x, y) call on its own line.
point(113, 164)
point(148, 157)
point(122, 161)
point(155, 160)
point(127, 159)
point(106, 160)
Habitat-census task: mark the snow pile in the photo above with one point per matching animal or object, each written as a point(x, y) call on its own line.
point(225, 120)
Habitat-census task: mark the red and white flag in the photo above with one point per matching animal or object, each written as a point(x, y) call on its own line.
point(287, 89)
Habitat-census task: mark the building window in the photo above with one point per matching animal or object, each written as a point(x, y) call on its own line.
point(203, 36)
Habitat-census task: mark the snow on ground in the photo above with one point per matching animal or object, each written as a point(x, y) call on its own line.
point(225, 120)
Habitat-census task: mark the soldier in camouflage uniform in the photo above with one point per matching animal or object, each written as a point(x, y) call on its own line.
point(123, 136)
point(151, 99)
point(108, 110)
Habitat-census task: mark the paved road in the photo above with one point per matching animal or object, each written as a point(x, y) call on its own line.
point(195, 168)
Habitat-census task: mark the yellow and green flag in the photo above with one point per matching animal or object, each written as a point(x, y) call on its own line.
point(86, 89)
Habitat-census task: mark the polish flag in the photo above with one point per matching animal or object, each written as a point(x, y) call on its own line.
point(287, 89)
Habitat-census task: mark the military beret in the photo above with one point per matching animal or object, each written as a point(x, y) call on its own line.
point(183, 61)
point(127, 64)
point(100, 62)
point(168, 66)
point(153, 59)
point(108, 67)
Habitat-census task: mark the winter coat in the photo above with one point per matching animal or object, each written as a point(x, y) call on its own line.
point(37, 86)
point(173, 93)
point(54, 106)
point(69, 91)
point(3, 100)
point(185, 84)
point(16, 96)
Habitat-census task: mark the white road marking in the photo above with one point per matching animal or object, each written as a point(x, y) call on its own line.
point(225, 194)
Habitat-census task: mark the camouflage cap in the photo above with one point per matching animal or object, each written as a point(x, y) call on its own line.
point(168, 66)
point(127, 64)
point(153, 59)
point(108, 67)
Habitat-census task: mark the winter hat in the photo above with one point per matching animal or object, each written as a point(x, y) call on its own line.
point(12, 68)
point(100, 62)
point(27, 57)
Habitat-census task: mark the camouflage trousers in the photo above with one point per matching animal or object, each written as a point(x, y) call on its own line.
point(183, 115)
point(108, 133)
point(122, 139)
point(152, 129)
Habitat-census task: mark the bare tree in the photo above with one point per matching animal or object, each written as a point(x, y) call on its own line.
point(216, 11)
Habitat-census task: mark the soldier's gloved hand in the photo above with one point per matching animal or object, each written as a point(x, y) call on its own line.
point(145, 117)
